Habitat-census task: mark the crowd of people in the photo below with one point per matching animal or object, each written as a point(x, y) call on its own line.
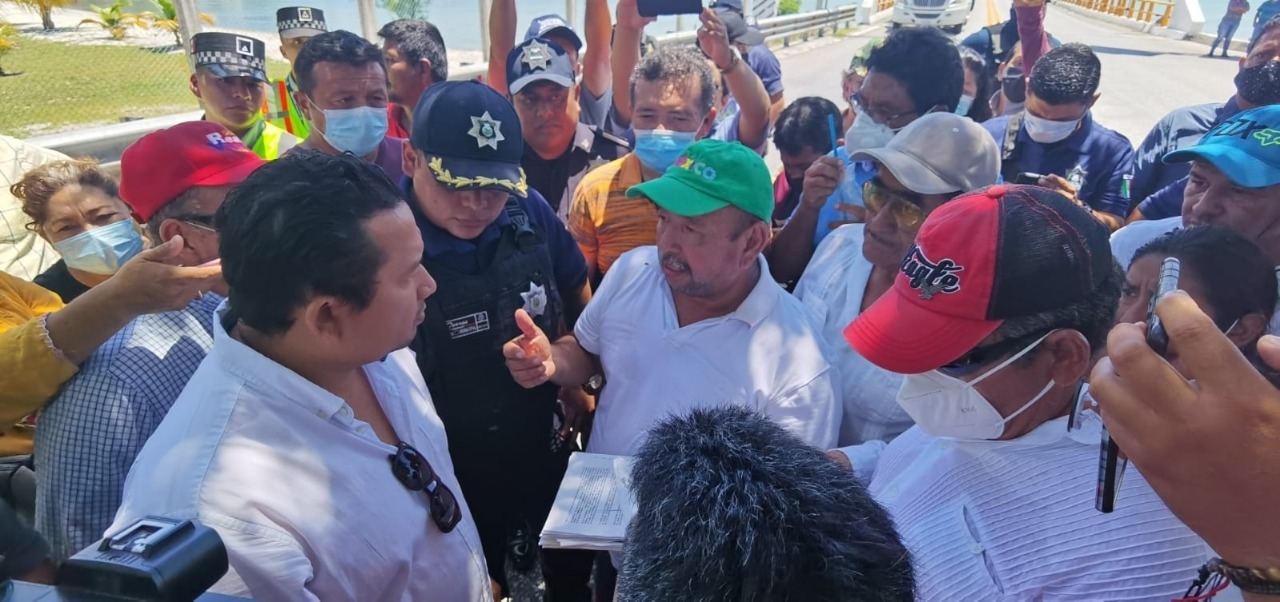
point(357, 319)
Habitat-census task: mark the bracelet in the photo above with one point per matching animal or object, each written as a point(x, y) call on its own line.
point(1264, 582)
point(737, 58)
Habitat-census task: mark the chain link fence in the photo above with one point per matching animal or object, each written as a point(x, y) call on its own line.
point(70, 65)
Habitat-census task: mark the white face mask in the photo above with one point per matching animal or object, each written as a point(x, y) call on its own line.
point(1046, 131)
point(946, 406)
point(866, 133)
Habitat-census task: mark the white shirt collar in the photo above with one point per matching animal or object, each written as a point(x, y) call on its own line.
point(760, 301)
point(266, 375)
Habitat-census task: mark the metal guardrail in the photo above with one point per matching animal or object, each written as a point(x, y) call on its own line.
point(1143, 11)
point(108, 142)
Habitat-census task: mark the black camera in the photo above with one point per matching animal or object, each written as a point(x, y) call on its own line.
point(154, 559)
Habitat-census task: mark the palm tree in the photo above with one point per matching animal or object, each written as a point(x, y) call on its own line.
point(45, 8)
point(168, 18)
point(8, 42)
point(116, 21)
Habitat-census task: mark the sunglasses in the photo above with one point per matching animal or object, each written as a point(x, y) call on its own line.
point(978, 357)
point(200, 221)
point(907, 211)
point(415, 473)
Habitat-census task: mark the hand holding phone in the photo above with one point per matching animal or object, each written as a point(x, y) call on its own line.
point(654, 8)
point(1028, 178)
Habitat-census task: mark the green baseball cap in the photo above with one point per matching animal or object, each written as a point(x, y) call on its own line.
point(711, 175)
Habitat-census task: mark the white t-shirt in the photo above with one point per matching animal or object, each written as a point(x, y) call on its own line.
point(832, 287)
point(766, 355)
point(1015, 520)
point(301, 491)
point(1127, 240)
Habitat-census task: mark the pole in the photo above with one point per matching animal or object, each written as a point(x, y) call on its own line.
point(368, 19)
point(484, 28)
point(188, 25)
point(570, 8)
point(747, 9)
point(679, 23)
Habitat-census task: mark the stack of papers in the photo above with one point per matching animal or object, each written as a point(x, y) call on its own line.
point(594, 505)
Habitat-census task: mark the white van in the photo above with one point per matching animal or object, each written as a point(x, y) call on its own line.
point(947, 15)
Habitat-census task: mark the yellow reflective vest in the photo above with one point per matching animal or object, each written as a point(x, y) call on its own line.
point(278, 108)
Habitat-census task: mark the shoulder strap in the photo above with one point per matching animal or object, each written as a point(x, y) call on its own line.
point(525, 235)
point(1009, 160)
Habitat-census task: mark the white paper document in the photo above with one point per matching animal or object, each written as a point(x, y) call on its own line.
point(594, 505)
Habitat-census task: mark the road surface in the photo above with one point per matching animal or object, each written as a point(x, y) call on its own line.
point(1143, 76)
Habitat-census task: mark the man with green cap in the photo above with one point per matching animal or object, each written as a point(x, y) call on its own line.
point(694, 321)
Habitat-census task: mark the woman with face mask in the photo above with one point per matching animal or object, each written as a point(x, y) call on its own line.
point(977, 86)
point(77, 208)
point(1224, 273)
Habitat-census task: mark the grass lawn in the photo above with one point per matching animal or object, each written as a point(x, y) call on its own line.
point(68, 86)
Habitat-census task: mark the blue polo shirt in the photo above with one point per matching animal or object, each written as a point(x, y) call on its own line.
point(471, 256)
point(1100, 158)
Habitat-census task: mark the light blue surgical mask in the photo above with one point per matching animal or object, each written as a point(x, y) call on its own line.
point(358, 131)
point(101, 250)
point(659, 149)
point(966, 102)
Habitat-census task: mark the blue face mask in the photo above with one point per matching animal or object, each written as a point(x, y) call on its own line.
point(358, 131)
point(966, 103)
point(101, 250)
point(659, 149)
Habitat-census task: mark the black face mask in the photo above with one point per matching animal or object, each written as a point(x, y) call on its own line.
point(1014, 85)
point(1260, 84)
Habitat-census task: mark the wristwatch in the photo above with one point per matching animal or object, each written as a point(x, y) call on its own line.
point(594, 385)
point(1264, 582)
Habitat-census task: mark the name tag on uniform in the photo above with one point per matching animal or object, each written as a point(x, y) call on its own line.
point(468, 325)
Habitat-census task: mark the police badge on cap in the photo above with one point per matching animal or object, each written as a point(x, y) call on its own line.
point(300, 22)
point(229, 55)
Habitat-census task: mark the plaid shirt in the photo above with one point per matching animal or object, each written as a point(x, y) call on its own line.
point(22, 253)
point(89, 435)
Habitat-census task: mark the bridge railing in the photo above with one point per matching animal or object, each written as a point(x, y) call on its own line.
point(1158, 12)
point(107, 142)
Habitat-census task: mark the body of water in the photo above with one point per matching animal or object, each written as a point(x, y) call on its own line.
point(458, 20)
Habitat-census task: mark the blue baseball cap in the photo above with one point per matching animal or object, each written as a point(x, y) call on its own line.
point(470, 137)
point(1245, 147)
point(538, 59)
point(550, 25)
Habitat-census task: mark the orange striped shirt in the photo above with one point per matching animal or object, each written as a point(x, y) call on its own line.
point(604, 221)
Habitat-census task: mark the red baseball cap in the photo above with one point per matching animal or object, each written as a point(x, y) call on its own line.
point(166, 163)
point(997, 253)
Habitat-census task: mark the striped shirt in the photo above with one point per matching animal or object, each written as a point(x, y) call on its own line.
point(89, 435)
point(1015, 520)
point(604, 221)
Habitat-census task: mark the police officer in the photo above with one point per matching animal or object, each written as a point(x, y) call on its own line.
point(558, 148)
point(229, 80)
point(494, 245)
point(296, 24)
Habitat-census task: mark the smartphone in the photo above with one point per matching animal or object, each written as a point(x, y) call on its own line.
point(654, 8)
point(1111, 465)
point(1028, 178)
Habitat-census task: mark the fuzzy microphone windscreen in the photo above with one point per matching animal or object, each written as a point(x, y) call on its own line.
point(731, 507)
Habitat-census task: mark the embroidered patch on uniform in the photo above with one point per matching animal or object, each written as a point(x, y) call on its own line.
point(244, 46)
point(1076, 176)
point(304, 13)
point(468, 325)
point(536, 55)
point(535, 300)
point(485, 130)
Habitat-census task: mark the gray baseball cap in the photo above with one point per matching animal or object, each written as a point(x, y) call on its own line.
point(939, 153)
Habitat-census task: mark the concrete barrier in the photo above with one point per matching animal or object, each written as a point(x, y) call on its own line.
point(1170, 32)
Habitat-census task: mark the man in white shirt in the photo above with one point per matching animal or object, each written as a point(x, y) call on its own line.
point(695, 322)
point(307, 438)
point(1002, 302)
point(931, 161)
point(1234, 182)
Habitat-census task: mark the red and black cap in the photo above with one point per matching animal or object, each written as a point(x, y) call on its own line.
point(994, 254)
